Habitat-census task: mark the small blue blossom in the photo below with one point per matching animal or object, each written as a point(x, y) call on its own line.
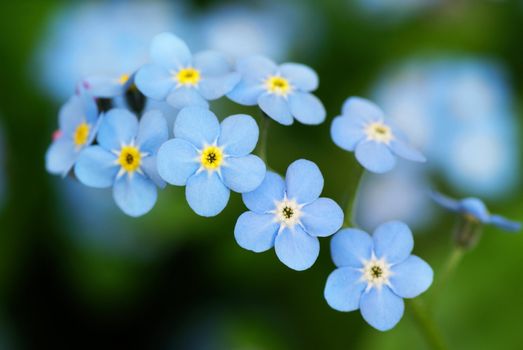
point(282, 92)
point(211, 159)
point(107, 87)
point(475, 210)
point(375, 273)
point(181, 78)
point(78, 122)
point(362, 129)
point(125, 158)
point(289, 216)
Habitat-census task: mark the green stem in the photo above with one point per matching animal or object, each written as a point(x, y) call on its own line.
point(351, 195)
point(426, 324)
point(450, 265)
point(264, 131)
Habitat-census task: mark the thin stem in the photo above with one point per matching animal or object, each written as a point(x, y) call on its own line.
point(427, 327)
point(351, 196)
point(264, 131)
point(450, 265)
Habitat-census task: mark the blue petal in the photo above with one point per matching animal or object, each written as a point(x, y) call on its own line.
point(411, 277)
point(347, 132)
point(212, 88)
point(255, 68)
point(400, 148)
point(382, 309)
point(135, 195)
point(322, 218)
point(256, 232)
point(446, 202)
point(307, 108)
point(96, 167)
point(375, 156)
point(300, 76)
point(246, 92)
point(154, 81)
point(211, 63)
point(183, 97)
point(118, 127)
point(239, 135)
point(476, 208)
point(169, 51)
point(262, 199)
point(152, 132)
point(104, 87)
point(150, 168)
point(362, 109)
point(504, 223)
point(206, 194)
point(60, 156)
point(350, 247)
point(297, 249)
point(344, 289)
point(71, 114)
point(393, 241)
point(243, 174)
point(276, 107)
point(304, 181)
point(177, 160)
point(197, 125)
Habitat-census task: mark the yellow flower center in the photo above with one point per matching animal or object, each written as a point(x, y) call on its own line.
point(81, 134)
point(124, 78)
point(278, 85)
point(379, 132)
point(188, 76)
point(130, 158)
point(212, 157)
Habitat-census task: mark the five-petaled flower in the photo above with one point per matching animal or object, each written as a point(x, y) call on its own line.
point(211, 159)
point(125, 158)
point(375, 273)
point(289, 215)
point(362, 128)
point(282, 92)
point(184, 80)
point(78, 121)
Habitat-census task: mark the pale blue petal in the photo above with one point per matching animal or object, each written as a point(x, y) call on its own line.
point(255, 68)
point(246, 92)
point(296, 249)
point(239, 135)
point(243, 174)
point(256, 232)
point(135, 195)
point(154, 81)
point(307, 108)
point(71, 114)
point(152, 131)
point(211, 63)
point(150, 168)
point(350, 247)
point(476, 208)
point(276, 107)
point(300, 76)
point(118, 127)
point(271, 190)
point(375, 156)
point(169, 51)
point(104, 87)
point(206, 194)
point(506, 224)
point(393, 241)
point(177, 160)
point(344, 288)
point(446, 202)
point(362, 109)
point(322, 218)
point(197, 125)
point(382, 309)
point(411, 277)
point(60, 156)
point(183, 97)
point(96, 167)
point(400, 148)
point(212, 88)
point(304, 181)
point(347, 132)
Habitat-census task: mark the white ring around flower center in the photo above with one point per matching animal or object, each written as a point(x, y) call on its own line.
point(376, 272)
point(287, 212)
point(379, 132)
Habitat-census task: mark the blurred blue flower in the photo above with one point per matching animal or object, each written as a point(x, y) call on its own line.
point(375, 273)
point(282, 92)
point(475, 210)
point(125, 158)
point(289, 215)
point(362, 128)
point(78, 123)
point(211, 159)
point(184, 80)
point(107, 87)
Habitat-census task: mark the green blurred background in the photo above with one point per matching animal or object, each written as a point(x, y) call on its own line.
point(76, 273)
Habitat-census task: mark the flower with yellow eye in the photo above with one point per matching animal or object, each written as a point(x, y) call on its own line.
point(108, 87)
point(125, 158)
point(362, 129)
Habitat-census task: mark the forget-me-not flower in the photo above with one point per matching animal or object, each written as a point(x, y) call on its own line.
point(78, 122)
point(362, 129)
point(211, 159)
point(181, 78)
point(282, 92)
point(107, 87)
point(289, 216)
point(474, 210)
point(125, 158)
point(375, 273)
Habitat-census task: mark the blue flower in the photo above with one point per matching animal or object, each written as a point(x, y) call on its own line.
point(211, 159)
point(362, 128)
point(184, 80)
point(282, 92)
point(78, 123)
point(475, 210)
point(289, 215)
point(125, 158)
point(375, 273)
point(107, 87)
